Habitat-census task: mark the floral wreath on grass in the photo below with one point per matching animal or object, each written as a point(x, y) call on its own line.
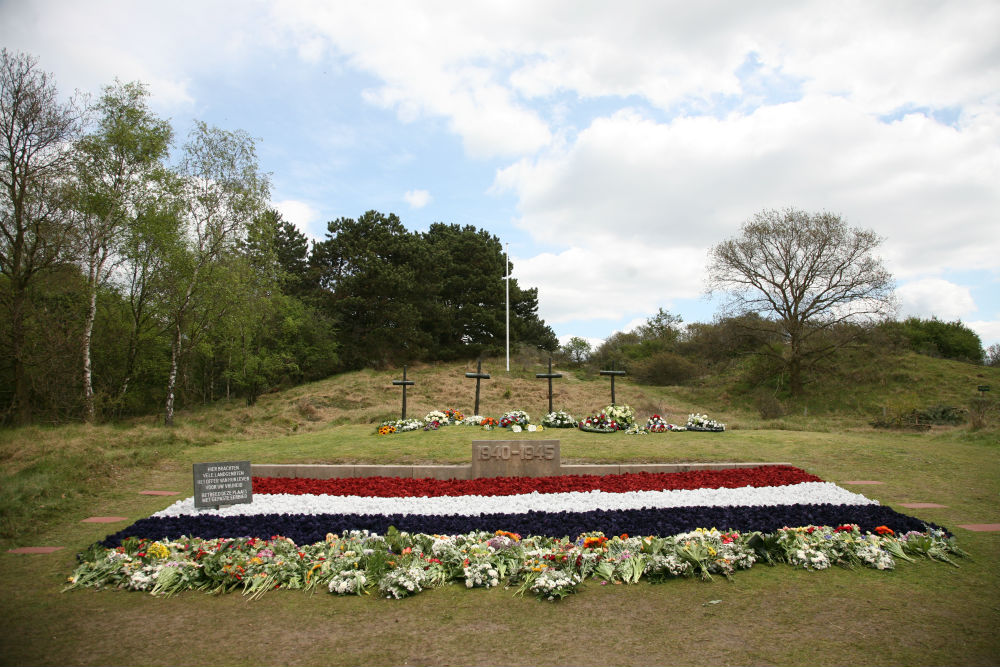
point(514, 418)
point(558, 419)
point(612, 418)
point(698, 422)
point(657, 424)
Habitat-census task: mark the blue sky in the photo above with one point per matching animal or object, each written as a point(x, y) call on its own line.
point(611, 147)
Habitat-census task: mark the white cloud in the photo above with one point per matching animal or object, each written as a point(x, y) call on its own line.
point(935, 297)
point(989, 331)
point(608, 282)
point(417, 198)
point(299, 213)
point(594, 342)
point(634, 184)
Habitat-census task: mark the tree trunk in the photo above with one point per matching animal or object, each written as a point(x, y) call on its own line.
point(795, 364)
point(88, 329)
point(22, 404)
point(175, 352)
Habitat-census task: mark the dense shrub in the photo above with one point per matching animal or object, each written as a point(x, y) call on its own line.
point(664, 368)
point(950, 340)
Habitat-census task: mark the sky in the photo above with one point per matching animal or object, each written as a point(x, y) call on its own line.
point(611, 145)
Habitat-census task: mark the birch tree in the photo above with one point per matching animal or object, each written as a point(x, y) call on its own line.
point(116, 165)
point(222, 192)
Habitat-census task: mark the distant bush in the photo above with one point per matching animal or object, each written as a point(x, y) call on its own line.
point(941, 414)
point(920, 418)
point(950, 340)
point(664, 368)
point(768, 405)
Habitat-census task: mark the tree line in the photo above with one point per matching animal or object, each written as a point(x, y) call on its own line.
point(131, 282)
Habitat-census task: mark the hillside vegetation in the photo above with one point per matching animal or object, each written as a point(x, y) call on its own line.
point(49, 470)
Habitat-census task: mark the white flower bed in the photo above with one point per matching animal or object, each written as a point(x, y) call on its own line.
point(576, 501)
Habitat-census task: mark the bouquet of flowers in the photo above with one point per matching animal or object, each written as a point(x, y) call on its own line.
point(657, 424)
point(435, 419)
point(558, 419)
point(624, 415)
point(697, 422)
point(399, 426)
point(514, 418)
point(454, 416)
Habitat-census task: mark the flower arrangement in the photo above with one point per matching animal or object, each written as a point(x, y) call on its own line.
point(699, 422)
point(514, 418)
point(399, 426)
point(489, 423)
point(558, 419)
point(454, 416)
point(635, 429)
point(599, 423)
point(473, 420)
point(657, 424)
point(401, 564)
point(624, 415)
point(436, 416)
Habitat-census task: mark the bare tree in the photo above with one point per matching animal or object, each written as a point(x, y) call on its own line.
point(809, 274)
point(36, 131)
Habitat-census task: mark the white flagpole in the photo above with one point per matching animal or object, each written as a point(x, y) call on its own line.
point(506, 263)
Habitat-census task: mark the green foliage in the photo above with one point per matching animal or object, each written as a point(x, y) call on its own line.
point(399, 296)
point(577, 350)
point(950, 340)
point(665, 368)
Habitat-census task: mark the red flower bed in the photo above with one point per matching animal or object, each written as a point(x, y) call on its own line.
point(507, 486)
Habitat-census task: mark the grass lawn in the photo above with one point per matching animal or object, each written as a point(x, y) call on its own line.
point(921, 613)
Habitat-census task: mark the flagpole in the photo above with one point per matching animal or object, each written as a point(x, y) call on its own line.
point(506, 263)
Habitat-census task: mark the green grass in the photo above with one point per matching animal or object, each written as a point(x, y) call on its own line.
point(921, 613)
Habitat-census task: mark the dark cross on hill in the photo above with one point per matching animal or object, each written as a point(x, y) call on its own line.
point(480, 376)
point(404, 383)
point(549, 375)
point(613, 373)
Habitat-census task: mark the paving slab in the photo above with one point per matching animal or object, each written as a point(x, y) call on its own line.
point(33, 550)
point(104, 519)
point(159, 493)
point(918, 506)
point(981, 527)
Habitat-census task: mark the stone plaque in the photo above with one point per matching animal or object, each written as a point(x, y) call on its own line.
point(223, 483)
point(515, 458)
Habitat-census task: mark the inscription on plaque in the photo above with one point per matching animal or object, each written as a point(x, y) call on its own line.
point(222, 483)
point(515, 458)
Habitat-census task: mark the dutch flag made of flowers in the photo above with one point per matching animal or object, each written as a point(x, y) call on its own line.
point(763, 499)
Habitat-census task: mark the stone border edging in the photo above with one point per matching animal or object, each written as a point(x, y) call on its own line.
point(325, 471)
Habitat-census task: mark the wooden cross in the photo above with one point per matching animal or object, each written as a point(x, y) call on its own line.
point(480, 376)
point(549, 375)
point(404, 383)
point(613, 373)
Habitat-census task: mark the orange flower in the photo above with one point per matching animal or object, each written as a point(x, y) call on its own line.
point(884, 530)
